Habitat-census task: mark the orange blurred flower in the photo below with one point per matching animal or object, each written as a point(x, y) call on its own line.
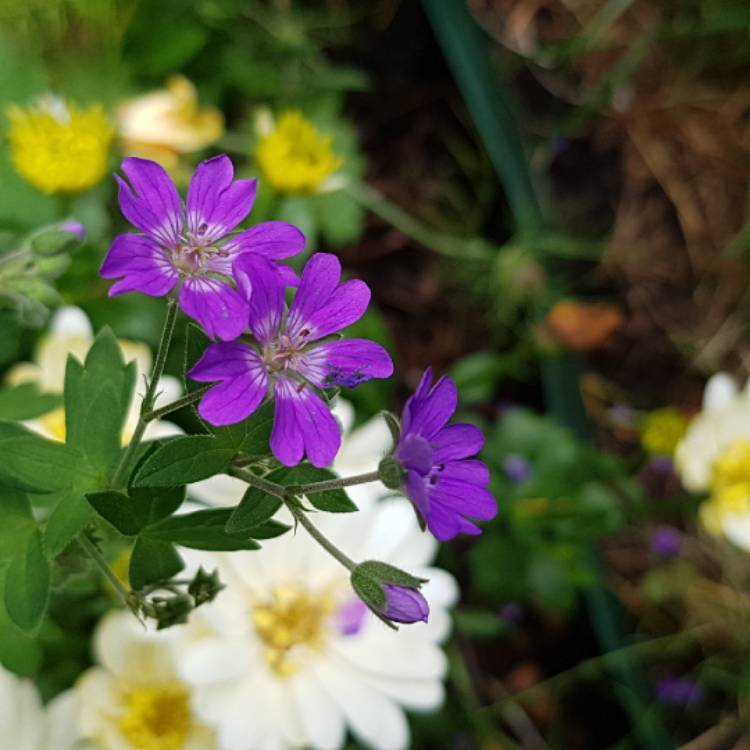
point(582, 327)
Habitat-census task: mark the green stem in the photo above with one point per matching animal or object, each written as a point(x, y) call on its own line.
point(93, 552)
point(147, 405)
point(179, 403)
point(331, 484)
point(464, 248)
point(270, 488)
point(301, 517)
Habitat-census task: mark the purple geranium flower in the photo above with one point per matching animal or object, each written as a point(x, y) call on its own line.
point(188, 250)
point(292, 356)
point(446, 486)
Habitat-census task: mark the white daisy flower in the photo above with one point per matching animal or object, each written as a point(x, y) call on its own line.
point(71, 333)
point(25, 724)
point(288, 657)
point(135, 699)
point(714, 457)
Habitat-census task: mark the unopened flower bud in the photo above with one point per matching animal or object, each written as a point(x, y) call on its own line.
point(60, 238)
point(205, 587)
point(169, 611)
point(390, 593)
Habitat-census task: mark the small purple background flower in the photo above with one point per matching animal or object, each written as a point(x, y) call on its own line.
point(665, 541)
point(292, 356)
point(73, 227)
point(679, 691)
point(446, 486)
point(186, 250)
point(517, 469)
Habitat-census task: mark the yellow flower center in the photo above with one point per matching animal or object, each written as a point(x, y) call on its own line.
point(290, 622)
point(58, 147)
point(157, 718)
point(662, 430)
point(295, 157)
point(732, 466)
point(730, 487)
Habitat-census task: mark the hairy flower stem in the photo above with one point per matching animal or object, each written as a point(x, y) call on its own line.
point(270, 488)
point(147, 405)
point(301, 517)
point(332, 484)
point(186, 400)
point(129, 598)
point(286, 494)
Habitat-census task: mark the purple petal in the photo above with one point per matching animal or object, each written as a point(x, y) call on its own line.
point(415, 453)
point(216, 204)
point(223, 361)
point(467, 470)
point(235, 399)
point(320, 277)
point(141, 265)
point(262, 283)
point(415, 401)
point(403, 604)
point(350, 617)
point(429, 415)
point(346, 305)
point(274, 240)
point(221, 311)
point(303, 424)
point(153, 203)
point(243, 387)
point(457, 441)
point(414, 487)
point(464, 499)
point(73, 227)
point(346, 363)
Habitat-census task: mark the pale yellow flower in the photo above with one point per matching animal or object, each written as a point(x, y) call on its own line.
point(295, 157)
point(714, 457)
point(163, 124)
point(59, 147)
point(135, 699)
point(71, 333)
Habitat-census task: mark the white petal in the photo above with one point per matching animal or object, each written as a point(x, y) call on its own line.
point(63, 728)
point(220, 490)
point(373, 718)
point(71, 321)
point(321, 718)
point(737, 528)
point(720, 391)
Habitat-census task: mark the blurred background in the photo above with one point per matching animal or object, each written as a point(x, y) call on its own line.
point(548, 199)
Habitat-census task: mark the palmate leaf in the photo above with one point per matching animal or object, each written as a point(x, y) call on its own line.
point(97, 399)
point(26, 401)
point(27, 574)
point(35, 464)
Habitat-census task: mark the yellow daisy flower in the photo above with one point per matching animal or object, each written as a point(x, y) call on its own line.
point(294, 156)
point(59, 147)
